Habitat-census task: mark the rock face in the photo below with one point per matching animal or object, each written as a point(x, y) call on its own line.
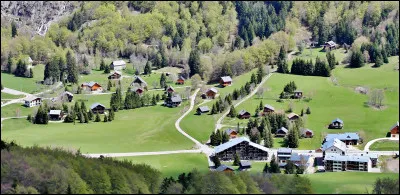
point(36, 15)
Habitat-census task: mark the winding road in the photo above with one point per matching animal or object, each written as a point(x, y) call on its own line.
point(366, 148)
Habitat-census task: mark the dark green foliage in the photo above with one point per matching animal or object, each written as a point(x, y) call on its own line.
point(10, 63)
point(266, 168)
point(102, 64)
point(321, 68)
point(253, 78)
point(290, 87)
point(112, 115)
point(225, 137)
point(105, 118)
point(14, 31)
point(216, 161)
point(292, 139)
point(154, 100)
point(21, 69)
point(86, 117)
point(29, 117)
point(378, 61)
point(282, 63)
point(194, 62)
point(90, 115)
point(97, 118)
point(81, 117)
point(41, 116)
point(147, 68)
point(273, 166)
point(260, 74)
point(52, 70)
point(331, 60)
point(109, 84)
point(308, 111)
point(384, 56)
point(232, 113)
point(302, 112)
point(163, 81)
point(357, 59)
point(386, 185)
point(55, 171)
point(30, 73)
point(290, 168)
point(236, 160)
point(214, 109)
point(107, 69)
point(72, 70)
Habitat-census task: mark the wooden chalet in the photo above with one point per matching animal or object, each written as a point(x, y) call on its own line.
point(138, 90)
point(394, 131)
point(347, 138)
point(292, 117)
point(170, 90)
point(232, 133)
point(336, 124)
point(246, 149)
point(244, 165)
point(225, 81)
point(115, 75)
point(98, 108)
point(306, 133)
point(330, 45)
point(68, 95)
point(224, 168)
point(139, 81)
point(202, 109)
point(281, 132)
point(210, 93)
point(173, 101)
point(32, 101)
point(180, 80)
point(55, 115)
point(118, 65)
point(268, 109)
point(243, 114)
point(91, 86)
point(297, 94)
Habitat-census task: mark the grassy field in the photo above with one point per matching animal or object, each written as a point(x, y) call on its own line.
point(385, 145)
point(200, 127)
point(330, 101)
point(27, 85)
point(144, 129)
point(10, 96)
point(171, 165)
point(314, 52)
point(349, 182)
point(11, 110)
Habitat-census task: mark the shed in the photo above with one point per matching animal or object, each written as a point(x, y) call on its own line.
point(336, 124)
point(306, 133)
point(203, 109)
point(98, 108)
point(268, 108)
point(55, 115)
point(115, 75)
point(224, 168)
point(243, 114)
point(281, 132)
point(225, 81)
point(118, 65)
point(231, 132)
point(244, 165)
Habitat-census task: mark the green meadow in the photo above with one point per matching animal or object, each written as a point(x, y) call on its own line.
point(385, 145)
point(27, 85)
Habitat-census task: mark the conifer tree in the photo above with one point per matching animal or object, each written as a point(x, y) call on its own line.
point(302, 112)
point(218, 137)
point(81, 117)
point(236, 161)
point(261, 106)
point(308, 111)
point(71, 68)
point(85, 115)
point(260, 74)
point(83, 107)
point(90, 115)
point(14, 31)
point(9, 63)
point(225, 137)
point(273, 166)
point(214, 109)
point(112, 115)
point(217, 162)
point(107, 69)
point(282, 63)
point(194, 62)
point(97, 117)
point(163, 81)
point(105, 118)
point(232, 112)
point(147, 68)
point(102, 64)
point(266, 168)
point(253, 78)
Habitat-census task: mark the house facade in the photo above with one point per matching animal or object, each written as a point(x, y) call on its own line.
point(347, 138)
point(283, 155)
point(336, 124)
point(297, 94)
point(281, 132)
point(98, 108)
point(268, 109)
point(202, 109)
point(173, 101)
point(232, 133)
point(292, 117)
point(180, 80)
point(394, 131)
point(115, 75)
point(336, 163)
point(334, 146)
point(330, 45)
point(32, 101)
point(68, 95)
point(306, 133)
point(243, 114)
point(244, 165)
point(242, 146)
point(170, 90)
point(55, 115)
point(225, 81)
point(138, 81)
point(210, 93)
point(118, 65)
point(224, 168)
point(91, 86)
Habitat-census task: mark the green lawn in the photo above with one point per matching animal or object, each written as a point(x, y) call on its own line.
point(329, 102)
point(27, 85)
point(385, 145)
point(11, 110)
point(138, 130)
point(171, 165)
point(345, 182)
point(10, 96)
point(314, 52)
point(200, 127)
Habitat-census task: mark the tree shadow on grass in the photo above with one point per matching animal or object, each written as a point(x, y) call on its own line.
point(282, 143)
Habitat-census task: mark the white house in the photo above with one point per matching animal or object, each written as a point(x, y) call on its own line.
point(118, 65)
point(32, 101)
point(334, 146)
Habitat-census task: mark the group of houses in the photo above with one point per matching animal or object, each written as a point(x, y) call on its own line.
point(212, 92)
point(286, 154)
point(243, 166)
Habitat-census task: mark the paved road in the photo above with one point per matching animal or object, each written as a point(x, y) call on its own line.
point(141, 153)
point(366, 148)
point(218, 125)
point(13, 91)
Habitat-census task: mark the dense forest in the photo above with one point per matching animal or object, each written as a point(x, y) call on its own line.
point(203, 37)
point(43, 170)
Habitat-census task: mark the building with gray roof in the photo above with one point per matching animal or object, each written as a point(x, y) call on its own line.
point(336, 162)
point(347, 138)
point(246, 149)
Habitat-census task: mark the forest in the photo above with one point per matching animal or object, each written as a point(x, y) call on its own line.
point(203, 37)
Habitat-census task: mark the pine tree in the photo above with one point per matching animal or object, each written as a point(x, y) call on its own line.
point(109, 84)
point(112, 115)
point(102, 64)
point(212, 139)
point(384, 56)
point(83, 107)
point(261, 106)
point(90, 115)
point(14, 31)
point(81, 117)
point(106, 69)
point(218, 137)
point(163, 81)
point(232, 112)
point(97, 117)
point(282, 64)
point(302, 112)
point(194, 62)
point(290, 167)
point(164, 60)
point(71, 68)
point(147, 68)
point(236, 161)
point(214, 109)
point(266, 168)
point(217, 162)
point(378, 61)
point(105, 118)
point(273, 166)
point(308, 111)
point(225, 137)
point(357, 59)
point(260, 74)
point(85, 115)
point(30, 73)
point(253, 79)
point(9, 63)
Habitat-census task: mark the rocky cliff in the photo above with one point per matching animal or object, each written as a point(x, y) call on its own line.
point(36, 16)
